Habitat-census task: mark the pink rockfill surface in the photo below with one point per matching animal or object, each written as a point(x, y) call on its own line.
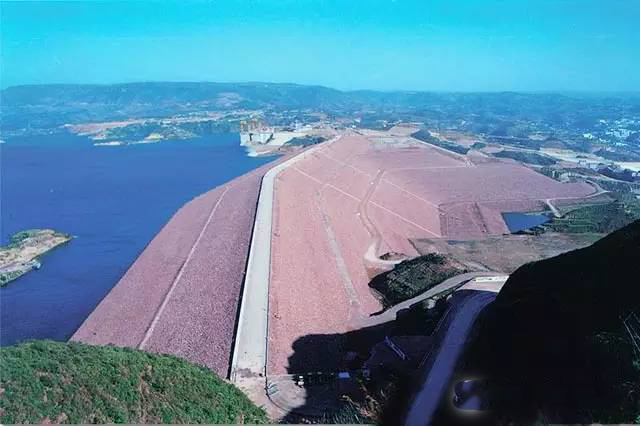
point(306, 291)
point(181, 295)
point(332, 208)
point(319, 279)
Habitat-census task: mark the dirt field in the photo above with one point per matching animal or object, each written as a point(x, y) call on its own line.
point(350, 202)
point(507, 252)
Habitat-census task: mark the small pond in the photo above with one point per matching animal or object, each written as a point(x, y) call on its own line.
point(517, 222)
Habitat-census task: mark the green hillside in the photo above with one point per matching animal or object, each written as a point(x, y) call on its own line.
point(75, 383)
point(526, 157)
point(559, 340)
point(414, 276)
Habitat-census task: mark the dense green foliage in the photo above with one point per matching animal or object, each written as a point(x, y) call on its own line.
point(425, 136)
point(549, 172)
point(21, 236)
point(7, 277)
point(413, 277)
point(599, 218)
point(526, 157)
point(617, 156)
point(625, 175)
point(617, 186)
point(557, 341)
point(77, 383)
point(184, 130)
point(305, 141)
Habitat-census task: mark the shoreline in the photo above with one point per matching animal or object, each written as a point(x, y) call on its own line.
point(177, 297)
point(24, 251)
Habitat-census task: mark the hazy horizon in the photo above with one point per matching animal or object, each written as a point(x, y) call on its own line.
point(585, 92)
point(471, 46)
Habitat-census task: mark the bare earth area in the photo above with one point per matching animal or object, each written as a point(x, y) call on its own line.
point(506, 253)
point(181, 295)
point(347, 212)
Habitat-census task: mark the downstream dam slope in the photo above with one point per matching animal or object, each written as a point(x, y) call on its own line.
point(181, 295)
point(347, 212)
point(341, 213)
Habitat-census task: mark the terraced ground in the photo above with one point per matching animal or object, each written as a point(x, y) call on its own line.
point(347, 212)
point(342, 214)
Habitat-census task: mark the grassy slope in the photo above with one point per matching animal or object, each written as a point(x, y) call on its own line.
point(526, 157)
point(77, 383)
point(425, 136)
point(600, 218)
point(413, 277)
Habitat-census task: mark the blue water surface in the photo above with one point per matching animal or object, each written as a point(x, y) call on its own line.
point(517, 222)
point(113, 199)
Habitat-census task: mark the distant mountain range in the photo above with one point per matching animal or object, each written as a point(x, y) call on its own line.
point(32, 105)
point(281, 94)
point(247, 94)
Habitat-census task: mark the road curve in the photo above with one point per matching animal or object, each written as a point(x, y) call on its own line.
point(445, 286)
point(451, 335)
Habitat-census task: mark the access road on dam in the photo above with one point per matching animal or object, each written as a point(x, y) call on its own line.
point(181, 295)
point(250, 351)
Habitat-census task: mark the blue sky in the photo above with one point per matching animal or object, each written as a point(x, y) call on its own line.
point(461, 45)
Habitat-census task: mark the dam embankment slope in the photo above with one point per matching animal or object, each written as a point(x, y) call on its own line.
point(181, 295)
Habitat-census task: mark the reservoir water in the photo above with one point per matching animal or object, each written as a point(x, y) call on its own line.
point(113, 199)
point(520, 221)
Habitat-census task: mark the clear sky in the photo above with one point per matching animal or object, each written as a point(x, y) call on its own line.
point(458, 45)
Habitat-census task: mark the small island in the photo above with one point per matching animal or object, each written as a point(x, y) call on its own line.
point(24, 250)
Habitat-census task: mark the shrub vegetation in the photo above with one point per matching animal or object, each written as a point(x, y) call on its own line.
point(45, 381)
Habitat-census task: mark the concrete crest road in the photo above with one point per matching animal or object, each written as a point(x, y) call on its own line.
point(250, 350)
